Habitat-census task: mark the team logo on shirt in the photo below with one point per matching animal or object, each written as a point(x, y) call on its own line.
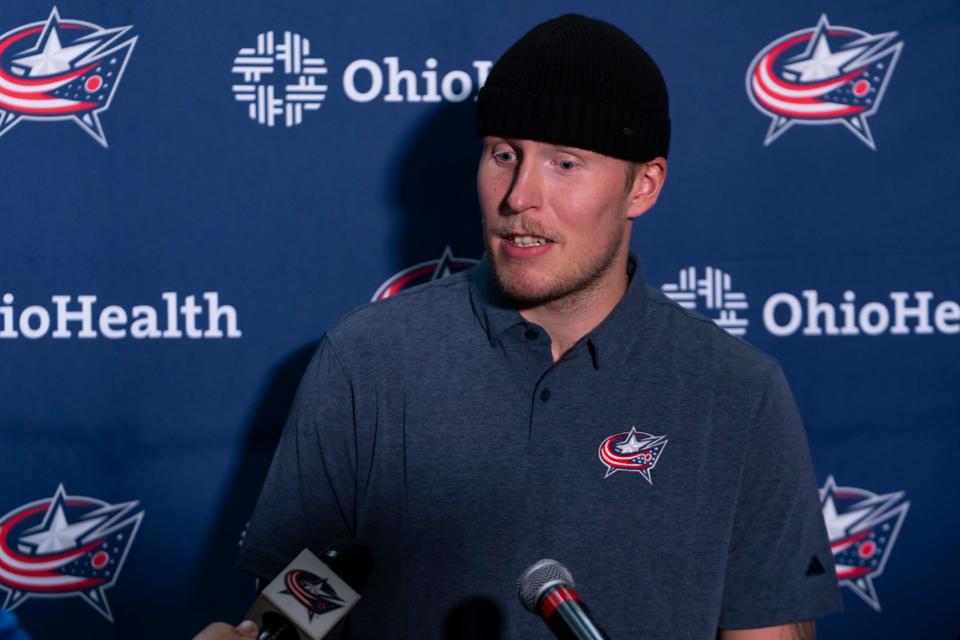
point(61, 70)
point(65, 546)
point(316, 594)
point(422, 273)
point(631, 451)
point(823, 75)
point(863, 528)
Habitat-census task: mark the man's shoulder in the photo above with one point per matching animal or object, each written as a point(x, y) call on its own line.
point(700, 340)
point(444, 302)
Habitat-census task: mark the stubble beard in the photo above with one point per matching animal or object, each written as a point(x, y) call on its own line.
point(566, 289)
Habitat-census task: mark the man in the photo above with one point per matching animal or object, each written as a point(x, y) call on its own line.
point(549, 404)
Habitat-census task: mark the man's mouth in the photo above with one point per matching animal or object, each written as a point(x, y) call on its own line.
point(527, 241)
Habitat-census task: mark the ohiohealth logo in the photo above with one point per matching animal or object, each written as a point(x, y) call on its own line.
point(81, 316)
point(61, 70)
point(65, 546)
point(823, 75)
point(279, 79)
point(715, 289)
point(709, 291)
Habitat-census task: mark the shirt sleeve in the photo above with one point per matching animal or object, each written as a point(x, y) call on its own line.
point(779, 565)
point(307, 500)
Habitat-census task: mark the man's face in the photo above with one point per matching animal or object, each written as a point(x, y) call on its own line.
point(555, 219)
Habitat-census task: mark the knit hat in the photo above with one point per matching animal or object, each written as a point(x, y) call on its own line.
point(578, 82)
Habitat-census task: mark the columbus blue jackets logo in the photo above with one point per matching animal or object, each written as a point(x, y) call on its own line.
point(316, 594)
point(821, 76)
point(422, 273)
point(863, 528)
point(65, 546)
point(61, 70)
point(632, 451)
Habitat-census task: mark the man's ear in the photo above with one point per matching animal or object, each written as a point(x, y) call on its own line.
point(648, 179)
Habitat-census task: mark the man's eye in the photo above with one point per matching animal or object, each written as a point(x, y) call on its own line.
point(567, 165)
point(504, 156)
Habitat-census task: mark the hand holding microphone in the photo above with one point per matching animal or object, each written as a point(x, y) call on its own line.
point(308, 599)
point(223, 631)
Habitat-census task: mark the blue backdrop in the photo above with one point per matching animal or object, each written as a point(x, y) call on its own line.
point(227, 179)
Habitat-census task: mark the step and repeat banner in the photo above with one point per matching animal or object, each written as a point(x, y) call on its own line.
point(193, 191)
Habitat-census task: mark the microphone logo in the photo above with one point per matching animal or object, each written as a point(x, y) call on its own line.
point(632, 451)
point(316, 594)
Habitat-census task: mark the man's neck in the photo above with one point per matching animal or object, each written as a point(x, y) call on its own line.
point(568, 319)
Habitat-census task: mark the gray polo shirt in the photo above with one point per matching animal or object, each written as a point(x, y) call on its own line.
point(661, 460)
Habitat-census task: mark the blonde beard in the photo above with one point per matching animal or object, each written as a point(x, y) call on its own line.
point(573, 291)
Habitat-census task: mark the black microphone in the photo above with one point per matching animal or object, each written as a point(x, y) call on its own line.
point(546, 589)
point(310, 597)
point(351, 560)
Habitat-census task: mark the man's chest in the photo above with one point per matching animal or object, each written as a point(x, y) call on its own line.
point(497, 445)
point(628, 476)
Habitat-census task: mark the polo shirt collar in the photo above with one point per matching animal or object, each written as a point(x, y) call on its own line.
point(495, 312)
point(497, 315)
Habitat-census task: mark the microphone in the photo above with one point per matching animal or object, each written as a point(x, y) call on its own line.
point(310, 597)
point(546, 589)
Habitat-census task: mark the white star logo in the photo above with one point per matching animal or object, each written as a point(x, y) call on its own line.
point(56, 534)
point(838, 525)
point(54, 58)
point(632, 443)
point(823, 63)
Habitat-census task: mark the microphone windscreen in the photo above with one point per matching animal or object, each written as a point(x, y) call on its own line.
point(539, 577)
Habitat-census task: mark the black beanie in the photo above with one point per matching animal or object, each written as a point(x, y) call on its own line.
point(578, 82)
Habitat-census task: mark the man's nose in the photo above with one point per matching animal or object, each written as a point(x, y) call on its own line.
point(526, 191)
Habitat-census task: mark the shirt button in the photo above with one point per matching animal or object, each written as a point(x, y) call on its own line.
point(532, 334)
point(545, 395)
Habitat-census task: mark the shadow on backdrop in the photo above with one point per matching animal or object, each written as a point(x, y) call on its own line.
point(433, 194)
point(434, 189)
point(218, 591)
